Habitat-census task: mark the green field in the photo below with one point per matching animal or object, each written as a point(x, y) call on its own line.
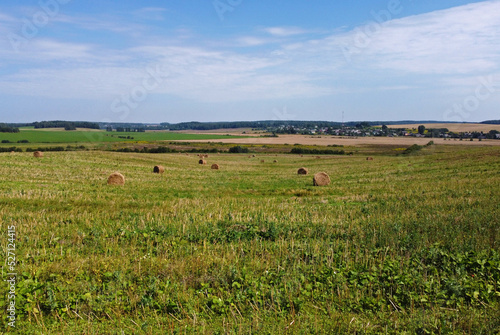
point(83, 136)
point(400, 244)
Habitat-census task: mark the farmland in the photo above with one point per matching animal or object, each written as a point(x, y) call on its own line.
point(406, 243)
point(89, 136)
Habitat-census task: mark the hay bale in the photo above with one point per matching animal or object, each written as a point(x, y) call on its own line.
point(275, 161)
point(38, 154)
point(158, 169)
point(116, 178)
point(369, 158)
point(321, 179)
point(202, 162)
point(303, 170)
point(215, 167)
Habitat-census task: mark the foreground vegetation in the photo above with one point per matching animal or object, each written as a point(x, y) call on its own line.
point(400, 244)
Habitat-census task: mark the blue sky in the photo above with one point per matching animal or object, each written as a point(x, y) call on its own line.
point(216, 60)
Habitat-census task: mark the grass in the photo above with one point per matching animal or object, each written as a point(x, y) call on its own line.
point(51, 136)
point(401, 244)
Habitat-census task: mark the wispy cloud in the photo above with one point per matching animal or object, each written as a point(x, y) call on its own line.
point(463, 39)
point(114, 24)
point(276, 63)
point(284, 31)
point(252, 41)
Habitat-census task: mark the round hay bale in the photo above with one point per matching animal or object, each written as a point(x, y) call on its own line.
point(38, 154)
point(369, 158)
point(215, 167)
point(321, 179)
point(202, 162)
point(275, 161)
point(158, 169)
point(253, 155)
point(116, 178)
point(303, 170)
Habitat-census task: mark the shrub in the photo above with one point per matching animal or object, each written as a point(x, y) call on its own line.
point(412, 149)
point(238, 150)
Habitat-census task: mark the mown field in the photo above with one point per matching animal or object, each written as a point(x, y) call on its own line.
point(86, 136)
point(400, 244)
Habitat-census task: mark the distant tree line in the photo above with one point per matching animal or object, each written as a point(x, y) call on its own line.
point(491, 122)
point(8, 129)
point(67, 125)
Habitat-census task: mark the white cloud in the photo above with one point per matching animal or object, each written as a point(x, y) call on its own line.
point(463, 39)
point(455, 43)
point(284, 31)
point(251, 41)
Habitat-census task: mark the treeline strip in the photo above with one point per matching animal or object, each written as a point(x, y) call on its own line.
point(68, 148)
point(68, 125)
point(8, 129)
point(306, 151)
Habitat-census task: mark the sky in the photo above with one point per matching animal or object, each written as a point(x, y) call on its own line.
point(241, 60)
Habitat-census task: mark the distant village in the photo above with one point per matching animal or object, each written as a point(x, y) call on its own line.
point(362, 130)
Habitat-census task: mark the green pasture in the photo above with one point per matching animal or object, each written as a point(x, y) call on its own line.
point(397, 245)
point(77, 136)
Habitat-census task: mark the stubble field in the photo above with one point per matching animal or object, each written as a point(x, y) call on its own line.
point(398, 244)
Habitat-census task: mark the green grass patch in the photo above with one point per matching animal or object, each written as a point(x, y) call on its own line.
point(41, 136)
